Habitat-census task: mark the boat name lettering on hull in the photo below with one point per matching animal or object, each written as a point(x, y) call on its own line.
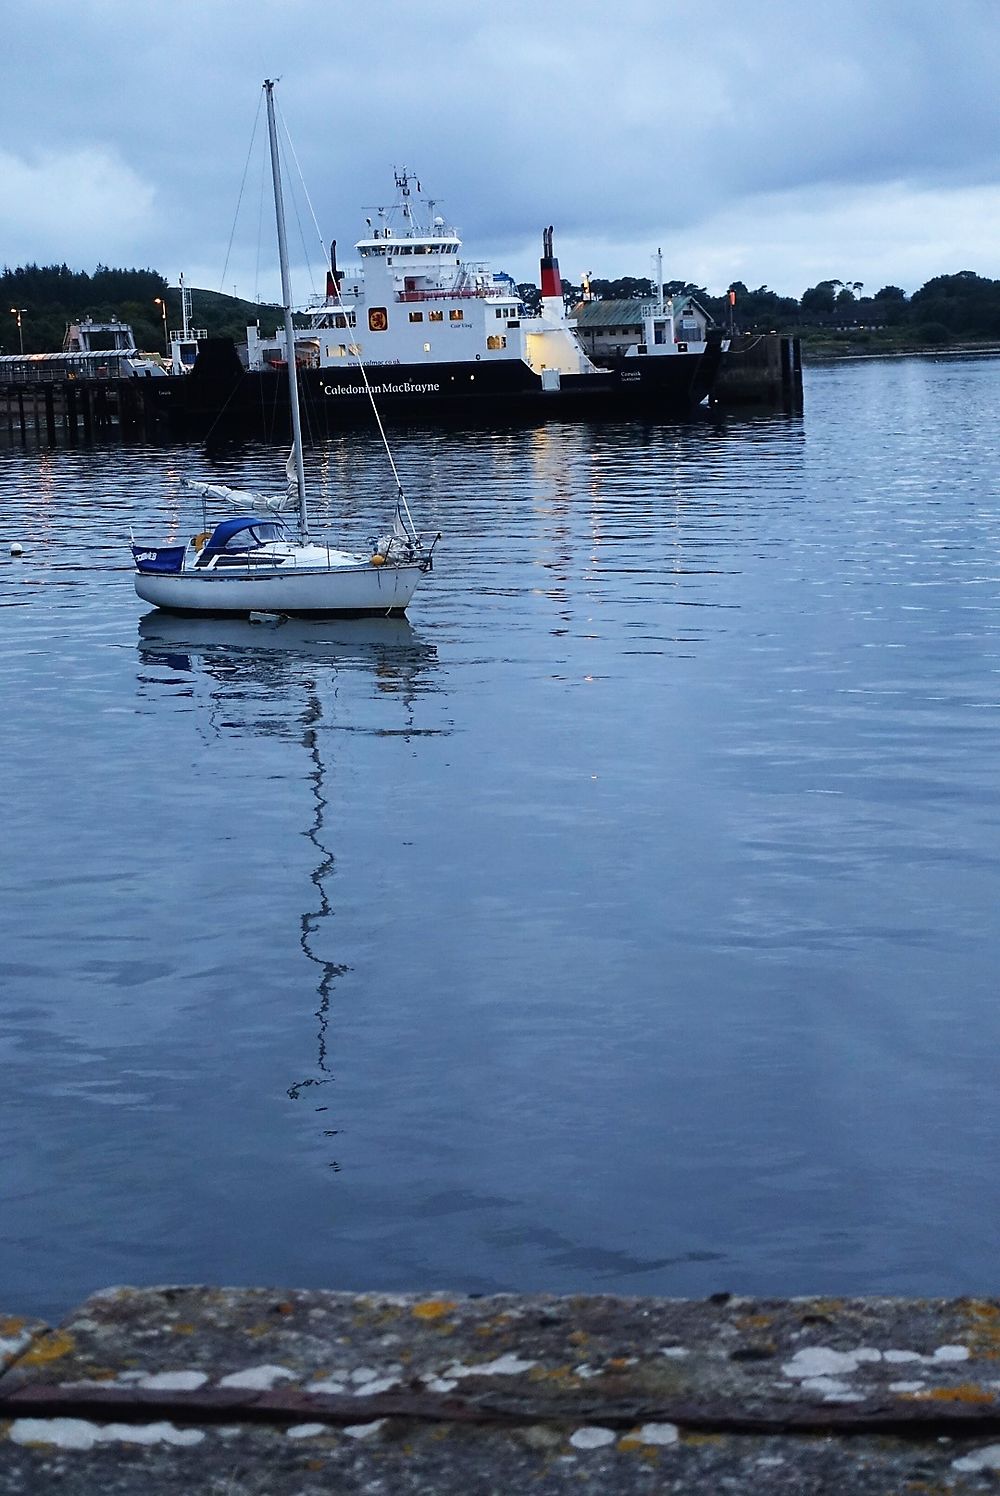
point(403, 387)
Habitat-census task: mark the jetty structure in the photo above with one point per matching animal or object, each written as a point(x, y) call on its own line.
point(150, 1391)
point(99, 381)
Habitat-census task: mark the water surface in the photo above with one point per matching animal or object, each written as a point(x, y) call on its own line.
point(623, 921)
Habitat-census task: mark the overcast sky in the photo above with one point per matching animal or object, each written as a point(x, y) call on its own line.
point(776, 142)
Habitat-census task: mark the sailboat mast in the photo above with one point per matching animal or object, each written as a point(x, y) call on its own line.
point(286, 302)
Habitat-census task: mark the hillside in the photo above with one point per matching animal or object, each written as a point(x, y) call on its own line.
point(51, 296)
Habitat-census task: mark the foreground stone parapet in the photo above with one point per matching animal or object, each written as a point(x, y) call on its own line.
point(173, 1389)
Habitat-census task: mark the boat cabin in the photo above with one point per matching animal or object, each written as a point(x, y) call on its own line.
point(614, 329)
point(233, 541)
point(239, 541)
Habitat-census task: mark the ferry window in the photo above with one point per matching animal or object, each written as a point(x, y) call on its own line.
point(435, 316)
point(514, 323)
point(500, 312)
point(416, 316)
point(456, 315)
point(496, 342)
point(340, 320)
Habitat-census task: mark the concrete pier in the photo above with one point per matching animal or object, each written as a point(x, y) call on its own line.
point(254, 1391)
point(761, 369)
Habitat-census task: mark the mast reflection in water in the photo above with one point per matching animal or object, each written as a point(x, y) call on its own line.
point(242, 660)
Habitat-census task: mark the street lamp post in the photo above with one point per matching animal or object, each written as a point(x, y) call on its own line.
point(161, 302)
point(16, 311)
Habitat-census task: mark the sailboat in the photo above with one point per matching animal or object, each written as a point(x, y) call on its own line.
point(259, 561)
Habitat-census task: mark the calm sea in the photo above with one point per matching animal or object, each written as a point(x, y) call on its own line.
point(625, 921)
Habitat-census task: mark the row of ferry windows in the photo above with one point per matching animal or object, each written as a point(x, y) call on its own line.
point(398, 248)
point(341, 350)
point(456, 315)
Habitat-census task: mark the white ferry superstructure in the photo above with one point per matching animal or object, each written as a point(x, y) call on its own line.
point(414, 301)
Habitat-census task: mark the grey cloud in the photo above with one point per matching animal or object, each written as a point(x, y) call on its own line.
point(620, 123)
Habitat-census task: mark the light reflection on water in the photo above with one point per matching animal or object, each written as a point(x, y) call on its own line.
point(624, 920)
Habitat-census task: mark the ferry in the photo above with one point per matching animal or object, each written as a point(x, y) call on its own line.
point(434, 336)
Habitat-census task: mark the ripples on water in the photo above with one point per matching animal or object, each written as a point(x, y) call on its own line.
point(623, 921)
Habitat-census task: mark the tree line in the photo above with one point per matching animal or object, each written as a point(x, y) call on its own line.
point(961, 306)
point(49, 297)
point(948, 308)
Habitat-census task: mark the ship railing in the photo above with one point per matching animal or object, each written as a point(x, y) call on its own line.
point(460, 293)
point(50, 368)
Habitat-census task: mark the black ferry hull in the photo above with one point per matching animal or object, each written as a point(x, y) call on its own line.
point(219, 394)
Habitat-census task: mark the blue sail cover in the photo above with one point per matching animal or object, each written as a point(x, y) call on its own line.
point(254, 530)
point(158, 558)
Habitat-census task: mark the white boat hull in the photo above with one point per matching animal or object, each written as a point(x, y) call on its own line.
point(344, 591)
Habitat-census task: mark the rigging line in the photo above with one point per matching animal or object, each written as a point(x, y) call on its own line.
point(302, 183)
point(285, 145)
point(260, 228)
point(246, 168)
point(401, 496)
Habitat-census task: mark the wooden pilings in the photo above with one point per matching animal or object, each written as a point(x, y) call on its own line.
point(134, 406)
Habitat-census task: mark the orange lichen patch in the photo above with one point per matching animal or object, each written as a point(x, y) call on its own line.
point(553, 1374)
point(983, 1328)
point(12, 1326)
point(965, 1392)
point(754, 1321)
point(578, 1337)
point(182, 1328)
point(256, 1331)
point(50, 1347)
point(982, 1308)
point(823, 1306)
point(694, 1439)
point(284, 1308)
point(430, 1309)
point(632, 1444)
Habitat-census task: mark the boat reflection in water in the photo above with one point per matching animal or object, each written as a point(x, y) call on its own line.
point(257, 673)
